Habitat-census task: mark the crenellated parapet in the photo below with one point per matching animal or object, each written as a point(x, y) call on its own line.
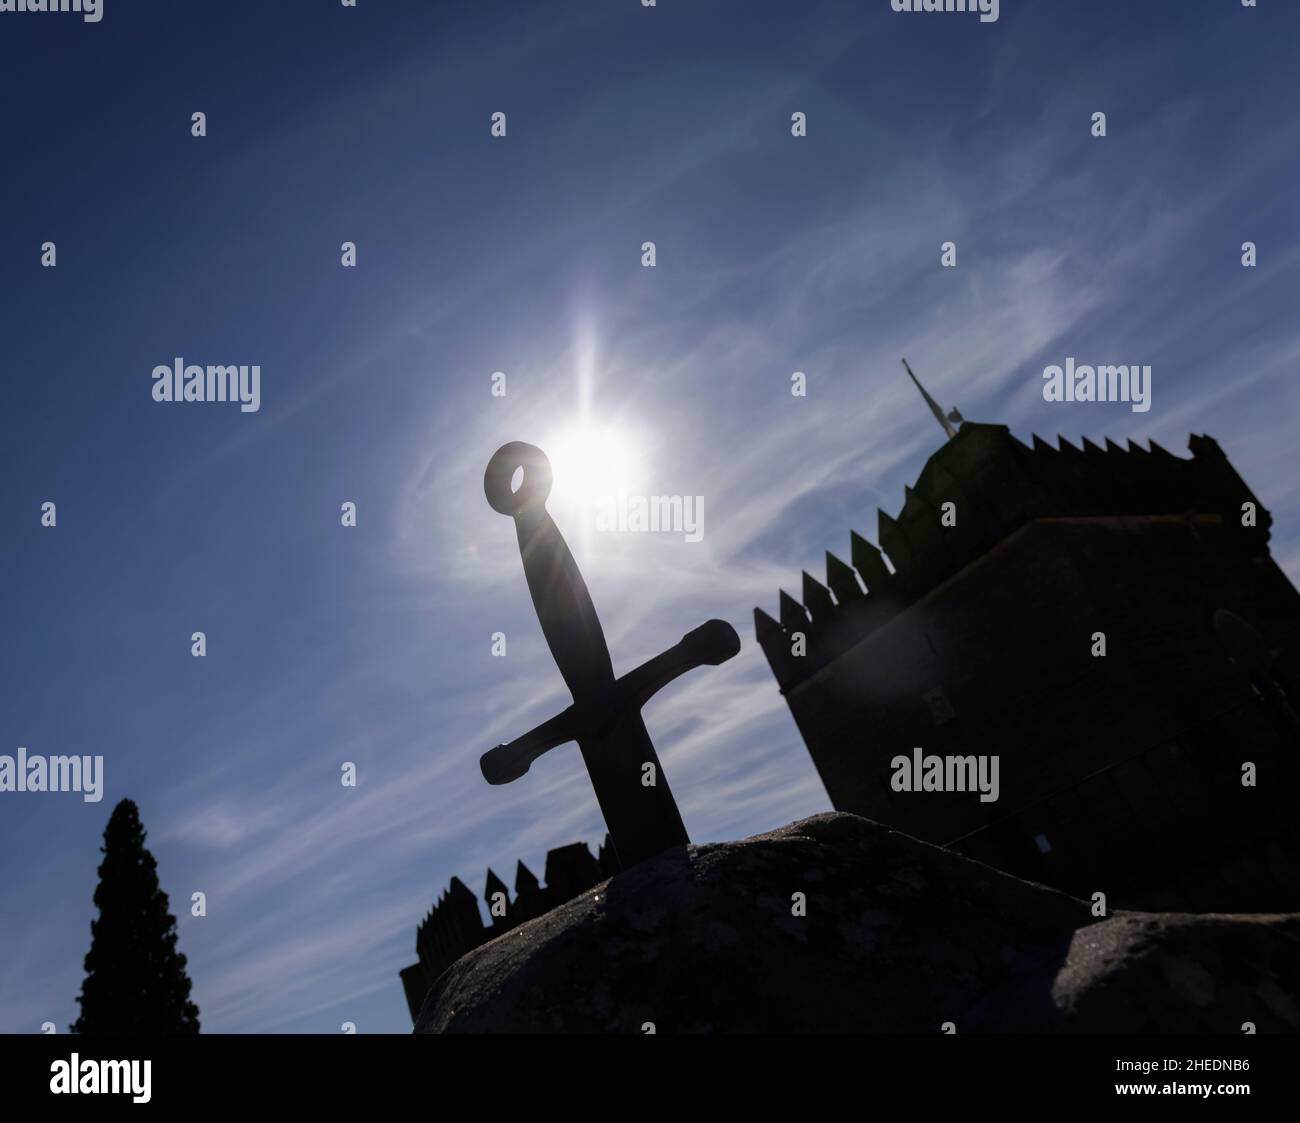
point(455, 926)
point(975, 491)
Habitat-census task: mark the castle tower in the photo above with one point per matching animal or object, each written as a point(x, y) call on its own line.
point(1110, 625)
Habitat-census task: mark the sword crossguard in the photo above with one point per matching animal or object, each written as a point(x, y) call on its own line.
point(713, 642)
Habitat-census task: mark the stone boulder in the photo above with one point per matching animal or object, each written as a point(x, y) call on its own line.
point(897, 936)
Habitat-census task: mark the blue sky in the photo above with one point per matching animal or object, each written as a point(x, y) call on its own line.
point(522, 255)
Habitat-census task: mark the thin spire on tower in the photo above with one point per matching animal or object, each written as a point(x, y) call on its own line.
point(947, 422)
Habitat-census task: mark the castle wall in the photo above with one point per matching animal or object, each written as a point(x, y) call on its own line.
point(1118, 773)
point(1128, 765)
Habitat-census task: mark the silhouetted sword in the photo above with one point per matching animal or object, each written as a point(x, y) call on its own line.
point(605, 718)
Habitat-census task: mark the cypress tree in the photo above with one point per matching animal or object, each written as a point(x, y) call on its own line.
point(135, 977)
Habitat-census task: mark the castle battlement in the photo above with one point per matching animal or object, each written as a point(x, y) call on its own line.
point(998, 484)
point(454, 925)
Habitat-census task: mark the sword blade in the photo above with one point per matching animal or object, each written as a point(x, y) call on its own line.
point(636, 801)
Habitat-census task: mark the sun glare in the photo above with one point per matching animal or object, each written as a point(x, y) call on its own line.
point(589, 464)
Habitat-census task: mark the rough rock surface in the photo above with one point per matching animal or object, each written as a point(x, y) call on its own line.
point(899, 936)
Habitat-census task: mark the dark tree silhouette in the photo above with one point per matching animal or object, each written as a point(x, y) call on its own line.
point(135, 977)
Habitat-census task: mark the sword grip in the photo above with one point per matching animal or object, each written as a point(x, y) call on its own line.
point(564, 606)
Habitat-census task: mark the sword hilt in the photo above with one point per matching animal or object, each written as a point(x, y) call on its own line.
point(564, 606)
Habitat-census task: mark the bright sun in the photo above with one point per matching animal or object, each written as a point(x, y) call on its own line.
point(589, 464)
